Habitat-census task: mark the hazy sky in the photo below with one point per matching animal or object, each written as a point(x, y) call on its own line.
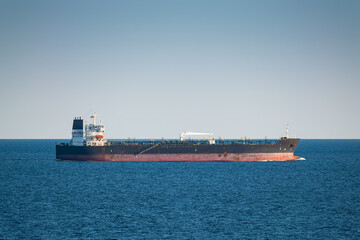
point(156, 68)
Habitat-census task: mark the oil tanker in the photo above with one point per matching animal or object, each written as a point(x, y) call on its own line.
point(92, 145)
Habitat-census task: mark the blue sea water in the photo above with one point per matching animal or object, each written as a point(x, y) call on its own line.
point(42, 198)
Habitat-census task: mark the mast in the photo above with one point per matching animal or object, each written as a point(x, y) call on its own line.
point(94, 118)
point(287, 130)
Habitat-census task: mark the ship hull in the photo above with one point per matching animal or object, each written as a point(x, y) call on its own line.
point(283, 150)
point(232, 157)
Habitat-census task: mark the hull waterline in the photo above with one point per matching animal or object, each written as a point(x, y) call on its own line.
point(243, 157)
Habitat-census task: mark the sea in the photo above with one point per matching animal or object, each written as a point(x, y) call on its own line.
point(316, 198)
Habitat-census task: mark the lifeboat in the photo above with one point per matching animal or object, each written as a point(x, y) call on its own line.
point(99, 136)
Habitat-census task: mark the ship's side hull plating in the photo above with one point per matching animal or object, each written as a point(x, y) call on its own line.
point(283, 150)
point(232, 157)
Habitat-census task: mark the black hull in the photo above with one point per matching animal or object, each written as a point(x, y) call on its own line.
point(285, 147)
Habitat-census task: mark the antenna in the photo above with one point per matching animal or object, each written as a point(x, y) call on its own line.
point(94, 118)
point(287, 130)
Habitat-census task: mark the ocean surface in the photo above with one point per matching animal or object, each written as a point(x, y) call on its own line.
point(317, 198)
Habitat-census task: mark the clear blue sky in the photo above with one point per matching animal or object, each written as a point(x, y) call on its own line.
point(156, 68)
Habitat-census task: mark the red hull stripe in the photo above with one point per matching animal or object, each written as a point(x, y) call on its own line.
point(230, 157)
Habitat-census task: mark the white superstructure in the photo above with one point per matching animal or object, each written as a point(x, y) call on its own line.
point(94, 133)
